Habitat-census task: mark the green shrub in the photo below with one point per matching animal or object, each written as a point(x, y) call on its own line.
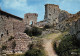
point(35, 50)
point(28, 31)
point(34, 31)
point(66, 46)
point(15, 54)
point(46, 27)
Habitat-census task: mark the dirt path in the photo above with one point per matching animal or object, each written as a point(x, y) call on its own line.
point(47, 43)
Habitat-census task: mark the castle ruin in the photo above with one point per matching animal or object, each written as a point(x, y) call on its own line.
point(11, 25)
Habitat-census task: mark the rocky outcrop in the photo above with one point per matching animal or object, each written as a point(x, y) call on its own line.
point(75, 28)
point(75, 25)
point(63, 15)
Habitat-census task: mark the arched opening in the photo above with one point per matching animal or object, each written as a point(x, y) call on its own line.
point(31, 23)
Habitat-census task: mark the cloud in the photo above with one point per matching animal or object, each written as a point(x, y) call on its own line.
point(14, 4)
point(70, 5)
point(20, 7)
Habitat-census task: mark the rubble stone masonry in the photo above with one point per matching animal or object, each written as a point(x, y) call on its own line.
point(10, 25)
point(51, 13)
point(30, 18)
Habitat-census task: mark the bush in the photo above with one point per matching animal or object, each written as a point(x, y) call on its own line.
point(66, 46)
point(28, 31)
point(34, 31)
point(35, 50)
point(47, 26)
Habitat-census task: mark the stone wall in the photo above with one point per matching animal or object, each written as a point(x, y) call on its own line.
point(6, 27)
point(18, 26)
point(21, 40)
point(51, 13)
point(30, 18)
point(9, 25)
point(41, 24)
point(55, 16)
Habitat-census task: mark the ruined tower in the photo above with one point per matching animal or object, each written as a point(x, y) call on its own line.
point(51, 13)
point(30, 18)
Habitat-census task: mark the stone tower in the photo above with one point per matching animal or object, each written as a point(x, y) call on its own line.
point(51, 13)
point(30, 18)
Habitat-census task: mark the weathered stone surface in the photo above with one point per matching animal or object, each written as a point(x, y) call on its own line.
point(78, 36)
point(18, 26)
point(73, 29)
point(22, 41)
point(55, 16)
point(9, 25)
point(47, 31)
point(63, 15)
point(41, 24)
point(30, 18)
point(51, 13)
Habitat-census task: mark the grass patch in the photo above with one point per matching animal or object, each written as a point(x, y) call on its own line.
point(15, 54)
point(61, 36)
point(35, 49)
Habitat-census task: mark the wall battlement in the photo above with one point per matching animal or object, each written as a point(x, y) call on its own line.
point(51, 5)
point(31, 14)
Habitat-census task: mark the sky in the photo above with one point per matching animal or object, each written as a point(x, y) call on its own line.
point(20, 7)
